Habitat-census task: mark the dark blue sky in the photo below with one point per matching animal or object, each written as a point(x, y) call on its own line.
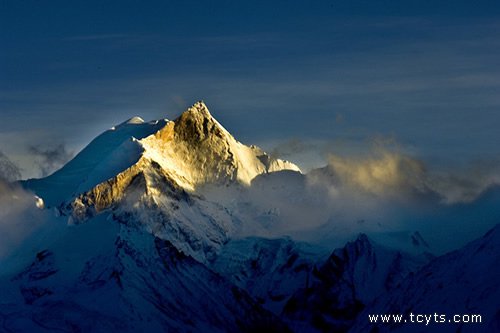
point(291, 76)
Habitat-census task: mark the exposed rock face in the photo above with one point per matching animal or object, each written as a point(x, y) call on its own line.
point(197, 150)
point(105, 194)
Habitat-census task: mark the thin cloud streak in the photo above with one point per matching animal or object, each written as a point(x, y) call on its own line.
point(96, 37)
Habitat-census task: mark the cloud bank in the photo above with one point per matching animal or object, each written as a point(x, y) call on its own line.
point(385, 192)
point(394, 175)
point(19, 215)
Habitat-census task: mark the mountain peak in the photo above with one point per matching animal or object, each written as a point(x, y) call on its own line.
point(197, 112)
point(136, 120)
point(196, 124)
point(201, 108)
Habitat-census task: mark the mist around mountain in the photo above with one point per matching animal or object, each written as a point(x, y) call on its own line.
point(177, 226)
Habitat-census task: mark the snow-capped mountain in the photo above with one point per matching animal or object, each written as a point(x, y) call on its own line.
point(463, 282)
point(191, 151)
point(148, 173)
point(176, 226)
